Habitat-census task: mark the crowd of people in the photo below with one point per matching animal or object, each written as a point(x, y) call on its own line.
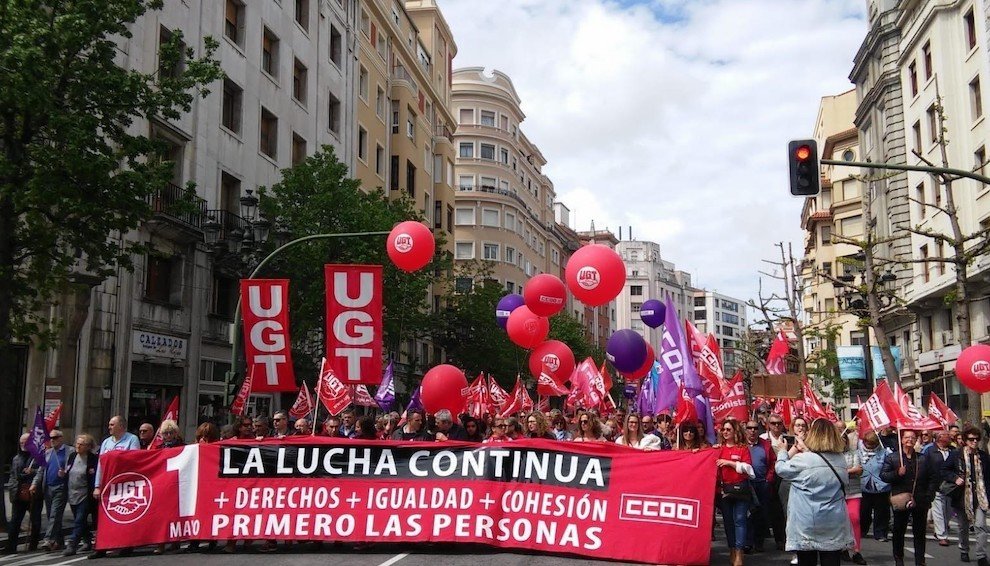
point(815, 489)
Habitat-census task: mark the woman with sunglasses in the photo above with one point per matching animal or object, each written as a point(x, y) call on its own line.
point(969, 468)
point(735, 469)
point(499, 432)
point(589, 428)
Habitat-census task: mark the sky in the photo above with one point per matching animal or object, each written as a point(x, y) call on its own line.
point(671, 116)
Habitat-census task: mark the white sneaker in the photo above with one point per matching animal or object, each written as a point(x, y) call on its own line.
point(794, 560)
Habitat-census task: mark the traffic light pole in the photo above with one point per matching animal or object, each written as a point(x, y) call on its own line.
point(901, 167)
point(230, 377)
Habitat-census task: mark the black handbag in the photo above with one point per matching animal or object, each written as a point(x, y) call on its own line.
point(740, 491)
point(950, 489)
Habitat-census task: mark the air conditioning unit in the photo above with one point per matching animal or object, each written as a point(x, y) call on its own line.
point(947, 337)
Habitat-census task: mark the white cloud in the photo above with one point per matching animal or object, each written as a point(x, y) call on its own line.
point(671, 116)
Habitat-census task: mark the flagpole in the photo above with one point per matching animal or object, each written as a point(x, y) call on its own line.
point(900, 452)
point(319, 383)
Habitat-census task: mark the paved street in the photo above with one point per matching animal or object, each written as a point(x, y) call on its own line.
point(438, 555)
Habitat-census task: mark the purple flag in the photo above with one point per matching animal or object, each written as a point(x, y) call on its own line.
point(676, 360)
point(39, 435)
point(704, 408)
point(646, 399)
point(385, 396)
point(414, 402)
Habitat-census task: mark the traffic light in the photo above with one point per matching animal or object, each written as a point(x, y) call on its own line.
point(802, 157)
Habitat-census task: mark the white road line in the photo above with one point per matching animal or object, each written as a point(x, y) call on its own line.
point(394, 559)
point(911, 550)
point(84, 557)
point(44, 556)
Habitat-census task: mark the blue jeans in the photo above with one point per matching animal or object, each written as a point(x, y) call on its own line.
point(734, 513)
point(759, 515)
point(80, 514)
point(55, 497)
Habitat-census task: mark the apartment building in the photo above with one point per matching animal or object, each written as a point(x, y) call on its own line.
point(649, 276)
point(725, 317)
point(138, 339)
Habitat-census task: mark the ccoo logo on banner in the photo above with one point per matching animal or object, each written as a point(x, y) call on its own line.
point(354, 322)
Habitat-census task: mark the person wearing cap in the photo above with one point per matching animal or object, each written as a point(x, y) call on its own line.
point(52, 483)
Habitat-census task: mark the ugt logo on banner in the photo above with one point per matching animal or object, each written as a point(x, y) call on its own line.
point(354, 322)
point(266, 334)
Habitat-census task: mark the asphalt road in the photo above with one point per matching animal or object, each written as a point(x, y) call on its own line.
point(876, 553)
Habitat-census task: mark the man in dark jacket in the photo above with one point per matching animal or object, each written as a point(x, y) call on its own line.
point(909, 472)
point(22, 471)
point(969, 468)
point(936, 455)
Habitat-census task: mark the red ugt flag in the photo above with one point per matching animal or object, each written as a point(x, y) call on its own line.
point(938, 410)
point(334, 395)
point(549, 385)
point(237, 407)
point(304, 403)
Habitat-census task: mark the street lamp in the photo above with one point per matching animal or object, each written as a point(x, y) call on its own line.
point(852, 294)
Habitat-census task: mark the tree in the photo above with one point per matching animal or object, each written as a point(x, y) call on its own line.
point(74, 178)
point(317, 197)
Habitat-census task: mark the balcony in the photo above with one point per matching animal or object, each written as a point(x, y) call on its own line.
point(178, 207)
point(399, 73)
point(229, 223)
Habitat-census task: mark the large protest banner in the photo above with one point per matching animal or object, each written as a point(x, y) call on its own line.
point(593, 499)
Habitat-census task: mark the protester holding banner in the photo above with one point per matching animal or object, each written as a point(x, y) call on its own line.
point(498, 434)
point(245, 430)
point(560, 431)
point(912, 485)
point(169, 431)
point(690, 438)
point(817, 521)
point(413, 429)
point(22, 472)
point(146, 435)
point(119, 439)
point(473, 430)
point(633, 437)
point(735, 470)
point(303, 428)
point(366, 429)
point(281, 421)
point(589, 428)
point(538, 427)
point(875, 505)
point(969, 468)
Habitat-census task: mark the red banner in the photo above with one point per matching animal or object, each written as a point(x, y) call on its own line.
point(733, 403)
point(590, 499)
point(937, 410)
point(237, 407)
point(334, 395)
point(354, 322)
point(266, 334)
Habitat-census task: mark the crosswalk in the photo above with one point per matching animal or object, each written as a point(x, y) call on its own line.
point(37, 558)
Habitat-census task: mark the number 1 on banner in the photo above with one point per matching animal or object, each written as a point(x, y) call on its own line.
point(187, 464)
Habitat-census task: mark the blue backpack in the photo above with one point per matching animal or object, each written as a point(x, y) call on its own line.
point(871, 481)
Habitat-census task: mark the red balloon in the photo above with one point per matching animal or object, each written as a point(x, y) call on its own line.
point(526, 329)
point(595, 274)
point(442, 389)
point(545, 294)
point(410, 245)
point(651, 357)
point(558, 357)
point(973, 368)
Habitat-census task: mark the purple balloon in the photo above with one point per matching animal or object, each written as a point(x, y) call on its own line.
point(505, 306)
point(652, 313)
point(626, 349)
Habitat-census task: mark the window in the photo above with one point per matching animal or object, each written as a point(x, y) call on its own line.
point(269, 134)
point(233, 26)
point(932, 122)
point(463, 284)
point(916, 130)
point(230, 193)
point(380, 160)
point(336, 46)
point(299, 81)
point(302, 13)
point(395, 116)
point(224, 297)
point(503, 155)
point(636, 290)
point(980, 160)
point(510, 287)
point(465, 182)
point(924, 266)
point(487, 151)
point(913, 78)
point(173, 65)
point(852, 226)
point(362, 144)
point(365, 24)
point(826, 235)
point(927, 54)
point(969, 21)
point(488, 182)
point(231, 106)
point(466, 150)
point(504, 121)
point(334, 112)
point(510, 221)
point(163, 283)
point(298, 149)
point(510, 255)
point(410, 178)
point(976, 99)
point(940, 254)
point(464, 216)
point(465, 116)
point(555, 257)
point(491, 252)
point(410, 124)
point(699, 301)
point(464, 250)
point(489, 217)
point(919, 195)
point(269, 53)
point(380, 103)
point(487, 118)
point(700, 315)
point(363, 83)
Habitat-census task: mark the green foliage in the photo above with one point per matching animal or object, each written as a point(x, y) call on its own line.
point(823, 363)
point(317, 197)
point(73, 171)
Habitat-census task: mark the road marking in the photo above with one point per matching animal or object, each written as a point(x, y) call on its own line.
point(394, 559)
point(911, 550)
point(70, 561)
point(32, 560)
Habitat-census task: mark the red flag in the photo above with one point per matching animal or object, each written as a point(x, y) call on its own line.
point(361, 396)
point(734, 403)
point(354, 322)
point(813, 408)
point(499, 397)
point(334, 395)
point(696, 341)
point(548, 384)
point(830, 413)
point(267, 347)
point(685, 412)
point(901, 412)
point(304, 403)
point(778, 352)
point(527, 401)
point(606, 378)
point(865, 420)
point(478, 397)
point(787, 412)
point(51, 419)
point(543, 404)
point(936, 410)
point(514, 403)
point(171, 414)
point(237, 407)
point(590, 381)
point(711, 371)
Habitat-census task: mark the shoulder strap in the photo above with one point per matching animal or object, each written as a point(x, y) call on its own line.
point(831, 467)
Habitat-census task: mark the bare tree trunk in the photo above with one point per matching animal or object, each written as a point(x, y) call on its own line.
point(790, 294)
point(873, 301)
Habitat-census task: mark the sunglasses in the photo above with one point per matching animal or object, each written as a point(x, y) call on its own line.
point(751, 428)
point(499, 425)
point(688, 432)
point(968, 438)
point(776, 423)
point(585, 421)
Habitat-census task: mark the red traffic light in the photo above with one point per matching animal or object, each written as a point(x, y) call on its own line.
point(803, 152)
